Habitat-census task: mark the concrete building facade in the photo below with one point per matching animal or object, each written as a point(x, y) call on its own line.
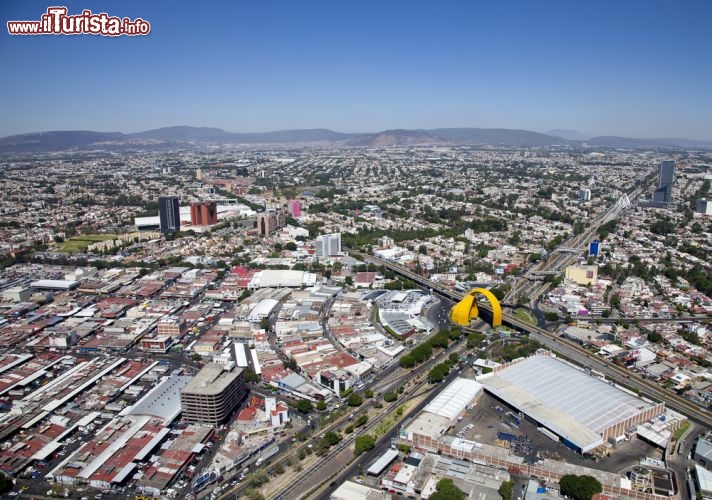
point(213, 394)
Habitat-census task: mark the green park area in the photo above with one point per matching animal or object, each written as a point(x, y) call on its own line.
point(80, 243)
point(525, 316)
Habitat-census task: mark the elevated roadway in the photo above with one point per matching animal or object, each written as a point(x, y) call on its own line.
point(566, 348)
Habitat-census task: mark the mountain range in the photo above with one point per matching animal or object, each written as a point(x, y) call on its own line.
point(181, 136)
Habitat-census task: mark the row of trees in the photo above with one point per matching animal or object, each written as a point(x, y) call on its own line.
point(423, 352)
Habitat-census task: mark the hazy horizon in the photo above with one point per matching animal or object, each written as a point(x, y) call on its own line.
point(634, 69)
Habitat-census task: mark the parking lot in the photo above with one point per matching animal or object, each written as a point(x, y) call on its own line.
point(490, 420)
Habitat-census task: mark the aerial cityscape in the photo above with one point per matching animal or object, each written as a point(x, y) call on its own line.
point(399, 296)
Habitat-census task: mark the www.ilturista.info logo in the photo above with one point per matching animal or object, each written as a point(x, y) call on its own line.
point(57, 22)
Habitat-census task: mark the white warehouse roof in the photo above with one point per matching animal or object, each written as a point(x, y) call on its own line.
point(273, 278)
point(576, 406)
point(263, 309)
point(453, 400)
point(54, 284)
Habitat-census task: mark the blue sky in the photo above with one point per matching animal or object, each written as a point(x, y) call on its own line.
point(633, 68)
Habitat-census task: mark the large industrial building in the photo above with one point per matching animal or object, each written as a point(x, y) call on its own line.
point(582, 410)
point(442, 413)
point(281, 278)
point(545, 390)
point(213, 394)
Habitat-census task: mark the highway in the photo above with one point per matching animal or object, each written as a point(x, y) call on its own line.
point(567, 253)
point(296, 488)
point(389, 379)
point(567, 348)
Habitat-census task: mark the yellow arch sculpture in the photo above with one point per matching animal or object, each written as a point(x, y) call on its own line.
point(466, 309)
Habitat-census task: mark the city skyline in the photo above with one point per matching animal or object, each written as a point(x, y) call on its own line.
point(635, 71)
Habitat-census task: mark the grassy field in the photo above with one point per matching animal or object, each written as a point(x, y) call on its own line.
point(681, 430)
point(523, 315)
point(80, 243)
point(386, 424)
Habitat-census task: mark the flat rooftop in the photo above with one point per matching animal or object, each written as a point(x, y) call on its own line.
point(213, 379)
point(454, 398)
point(577, 406)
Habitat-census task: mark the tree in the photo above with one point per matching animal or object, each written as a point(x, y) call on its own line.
point(406, 361)
point(368, 393)
point(438, 373)
point(505, 490)
point(551, 316)
point(361, 420)
point(655, 337)
point(354, 399)
point(321, 405)
point(5, 484)
point(445, 489)
point(455, 333)
point(264, 323)
point(579, 487)
point(390, 396)
point(474, 340)
point(251, 376)
point(291, 246)
point(439, 340)
point(331, 438)
point(303, 405)
point(258, 478)
point(254, 494)
point(348, 281)
point(364, 443)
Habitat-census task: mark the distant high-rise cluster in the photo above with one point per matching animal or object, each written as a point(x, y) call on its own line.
point(271, 221)
point(169, 214)
point(328, 244)
point(666, 177)
point(204, 213)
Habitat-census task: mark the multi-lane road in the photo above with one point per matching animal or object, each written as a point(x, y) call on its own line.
point(530, 284)
point(569, 349)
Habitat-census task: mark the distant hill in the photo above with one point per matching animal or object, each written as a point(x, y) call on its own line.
point(496, 137)
point(182, 136)
point(396, 138)
point(56, 141)
point(206, 134)
point(571, 135)
point(184, 133)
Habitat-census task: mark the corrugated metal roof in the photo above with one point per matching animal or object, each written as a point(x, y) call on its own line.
point(571, 403)
point(454, 398)
point(383, 462)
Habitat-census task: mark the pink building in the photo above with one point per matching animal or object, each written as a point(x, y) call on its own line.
point(295, 208)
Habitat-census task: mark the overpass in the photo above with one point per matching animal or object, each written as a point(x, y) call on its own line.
point(621, 375)
point(565, 254)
